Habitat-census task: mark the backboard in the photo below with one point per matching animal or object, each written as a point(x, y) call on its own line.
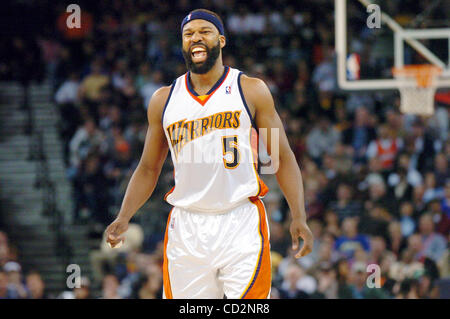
point(390, 34)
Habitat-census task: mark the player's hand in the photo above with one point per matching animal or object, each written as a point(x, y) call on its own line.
point(300, 229)
point(115, 230)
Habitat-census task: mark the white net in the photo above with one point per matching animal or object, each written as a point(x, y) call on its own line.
point(417, 97)
point(417, 100)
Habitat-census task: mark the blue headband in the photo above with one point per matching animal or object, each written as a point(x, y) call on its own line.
point(203, 16)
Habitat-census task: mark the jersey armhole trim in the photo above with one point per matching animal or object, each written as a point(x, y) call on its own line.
point(258, 166)
point(167, 101)
point(244, 101)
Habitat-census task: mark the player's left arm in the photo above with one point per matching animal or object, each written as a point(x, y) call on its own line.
point(260, 102)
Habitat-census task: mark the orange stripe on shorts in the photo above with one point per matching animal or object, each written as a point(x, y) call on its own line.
point(166, 278)
point(259, 286)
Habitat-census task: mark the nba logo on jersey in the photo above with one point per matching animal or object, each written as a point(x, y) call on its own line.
point(172, 223)
point(228, 89)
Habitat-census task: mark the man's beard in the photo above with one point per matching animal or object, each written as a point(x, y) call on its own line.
point(204, 67)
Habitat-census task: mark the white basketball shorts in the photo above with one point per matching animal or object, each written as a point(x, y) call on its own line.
point(217, 255)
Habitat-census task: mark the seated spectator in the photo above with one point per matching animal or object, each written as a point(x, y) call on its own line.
point(406, 268)
point(324, 79)
point(359, 287)
point(378, 247)
point(313, 197)
point(408, 224)
point(415, 245)
point(68, 91)
point(84, 291)
point(110, 287)
point(341, 118)
point(408, 289)
point(327, 286)
point(375, 221)
point(91, 183)
point(14, 274)
point(322, 138)
point(386, 263)
point(445, 203)
point(344, 158)
point(329, 166)
point(119, 169)
point(332, 223)
point(345, 206)
point(103, 116)
point(132, 271)
point(86, 140)
point(427, 288)
point(35, 286)
point(135, 134)
point(113, 137)
point(118, 73)
point(128, 91)
point(396, 241)
point(432, 191)
point(152, 286)
point(326, 254)
point(279, 239)
point(421, 145)
point(351, 239)
point(91, 85)
point(379, 196)
point(6, 291)
point(417, 200)
point(394, 121)
point(385, 147)
point(403, 162)
point(150, 87)
point(67, 100)
point(308, 261)
point(359, 135)
point(290, 287)
point(433, 244)
point(4, 249)
point(401, 190)
point(143, 76)
point(359, 256)
point(441, 220)
point(441, 169)
point(343, 277)
point(373, 174)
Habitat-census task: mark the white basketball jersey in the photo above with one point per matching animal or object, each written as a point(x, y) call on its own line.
point(213, 144)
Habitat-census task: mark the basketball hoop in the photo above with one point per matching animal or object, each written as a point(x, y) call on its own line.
point(417, 97)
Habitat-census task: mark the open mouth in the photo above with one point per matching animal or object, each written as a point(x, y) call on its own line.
point(198, 54)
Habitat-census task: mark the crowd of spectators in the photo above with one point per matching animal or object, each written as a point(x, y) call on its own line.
point(14, 283)
point(377, 182)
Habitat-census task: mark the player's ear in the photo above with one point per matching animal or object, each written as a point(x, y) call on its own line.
point(222, 41)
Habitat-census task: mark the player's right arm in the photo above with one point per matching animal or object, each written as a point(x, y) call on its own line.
point(144, 179)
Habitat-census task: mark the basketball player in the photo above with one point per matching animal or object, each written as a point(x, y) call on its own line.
point(217, 238)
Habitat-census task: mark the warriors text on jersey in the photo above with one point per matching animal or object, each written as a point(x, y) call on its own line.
point(213, 144)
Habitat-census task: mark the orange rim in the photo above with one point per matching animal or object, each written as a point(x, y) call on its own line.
point(423, 73)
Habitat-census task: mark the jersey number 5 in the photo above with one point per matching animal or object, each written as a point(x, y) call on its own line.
point(230, 146)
